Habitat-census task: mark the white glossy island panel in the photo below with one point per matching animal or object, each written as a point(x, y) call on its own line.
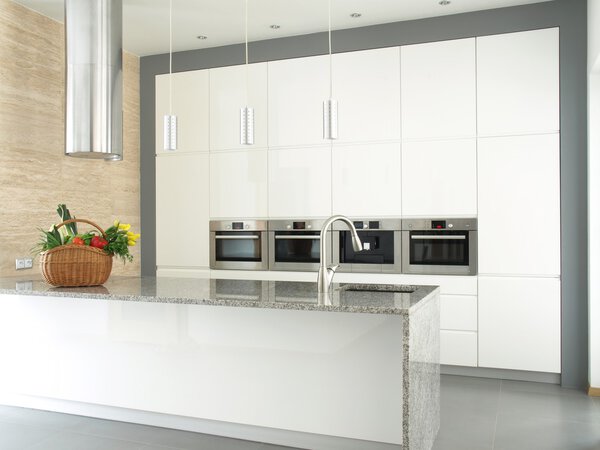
point(317, 372)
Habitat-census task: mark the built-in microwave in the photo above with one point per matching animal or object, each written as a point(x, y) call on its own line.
point(439, 246)
point(381, 239)
point(239, 244)
point(295, 245)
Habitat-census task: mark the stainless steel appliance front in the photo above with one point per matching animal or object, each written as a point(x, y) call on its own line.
point(238, 244)
point(439, 246)
point(381, 252)
point(295, 245)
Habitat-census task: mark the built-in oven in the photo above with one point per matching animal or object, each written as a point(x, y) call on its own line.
point(381, 239)
point(239, 244)
point(295, 245)
point(439, 246)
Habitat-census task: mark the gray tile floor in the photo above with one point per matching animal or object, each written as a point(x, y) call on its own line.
point(477, 414)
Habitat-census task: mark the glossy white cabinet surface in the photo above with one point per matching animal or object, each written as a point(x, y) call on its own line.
point(366, 180)
point(458, 348)
point(182, 210)
point(519, 205)
point(458, 312)
point(290, 370)
point(238, 184)
point(300, 182)
point(519, 323)
point(366, 85)
point(232, 88)
point(297, 89)
point(190, 105)
point(439, 178)
point(439, 90)
point(518, 83)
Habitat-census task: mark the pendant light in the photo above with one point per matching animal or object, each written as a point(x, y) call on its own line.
point(330, 106)
point(94, 79)
point(170, 120)
point(246, 113)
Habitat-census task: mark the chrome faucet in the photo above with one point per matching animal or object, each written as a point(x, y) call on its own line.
point(325, 277)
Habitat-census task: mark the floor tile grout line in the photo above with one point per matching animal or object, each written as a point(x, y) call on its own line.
point(497, 415)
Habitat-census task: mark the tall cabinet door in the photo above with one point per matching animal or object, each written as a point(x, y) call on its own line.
point(366, 85)
point(439, 178)
point(238, 184)
point(519, 323)
point(300, 182)
point(182, 210)
point(190, 105)
point(518, 83)
point(519, 205)
point(366, 180)
point(439, 90)
point(297, 89)
point(232, 88)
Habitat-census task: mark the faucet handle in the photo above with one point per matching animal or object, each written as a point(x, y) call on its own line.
point(333, 268)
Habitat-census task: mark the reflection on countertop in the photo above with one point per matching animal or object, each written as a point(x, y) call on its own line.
point(352, 298)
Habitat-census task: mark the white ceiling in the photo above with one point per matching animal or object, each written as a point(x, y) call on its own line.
point(146, 22)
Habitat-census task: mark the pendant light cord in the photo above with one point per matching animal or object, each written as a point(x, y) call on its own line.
point(170, 57)
point(330, 57)
point(246, 43)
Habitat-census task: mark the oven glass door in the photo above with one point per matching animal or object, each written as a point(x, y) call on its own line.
point(294, 247)
point(378, 248)
point(238, 246)
point(439, 248)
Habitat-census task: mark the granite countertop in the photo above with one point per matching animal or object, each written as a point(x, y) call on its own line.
point(352, 298)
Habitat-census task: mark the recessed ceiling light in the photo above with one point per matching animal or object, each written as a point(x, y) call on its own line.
point(201, 37)
point(355, 15)
point(275, 27)
point(445, 2)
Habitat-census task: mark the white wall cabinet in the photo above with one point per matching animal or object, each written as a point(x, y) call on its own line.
point(519, 205)
point(297, 89)
point(439, 90)
point(439, 178)
point(518, 83)
point(366, 180)
point(519, 323)
point(366, 85)
point(238, 184)
point(182, 210)
point(190, 104)
point(300, 182)
point(232, 88)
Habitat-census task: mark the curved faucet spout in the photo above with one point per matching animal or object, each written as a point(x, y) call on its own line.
point(325, 277)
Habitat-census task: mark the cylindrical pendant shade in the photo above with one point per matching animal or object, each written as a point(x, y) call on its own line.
point(170, 132)
point(330, 120)
point(94, 90)
point(247, 126)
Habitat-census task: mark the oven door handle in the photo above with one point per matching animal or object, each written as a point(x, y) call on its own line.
point(247, 236)
point(437, 237)
point(293, 236)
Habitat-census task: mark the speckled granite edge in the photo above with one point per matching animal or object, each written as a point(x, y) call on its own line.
point(421, 296)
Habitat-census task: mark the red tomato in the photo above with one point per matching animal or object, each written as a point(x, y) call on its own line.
point(98, 242)
point(78, 241)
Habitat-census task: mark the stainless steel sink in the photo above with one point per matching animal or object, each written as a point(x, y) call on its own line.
point(383, 288)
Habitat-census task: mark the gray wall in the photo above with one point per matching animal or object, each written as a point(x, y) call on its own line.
point(569, 15)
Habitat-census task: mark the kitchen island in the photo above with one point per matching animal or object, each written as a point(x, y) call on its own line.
point(271, 361)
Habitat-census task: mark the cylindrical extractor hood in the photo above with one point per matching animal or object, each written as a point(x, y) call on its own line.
point(94, 103)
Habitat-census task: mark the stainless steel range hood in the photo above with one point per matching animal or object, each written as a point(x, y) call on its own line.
point(94, 91)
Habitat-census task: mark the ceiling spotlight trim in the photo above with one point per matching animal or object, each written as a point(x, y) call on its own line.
point(355, 15)
point(275, 26)
point(444, 2)
point(202, 37)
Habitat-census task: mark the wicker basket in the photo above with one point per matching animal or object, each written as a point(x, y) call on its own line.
point(76, 265)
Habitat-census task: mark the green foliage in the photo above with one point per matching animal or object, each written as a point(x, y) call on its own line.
point(117, 237)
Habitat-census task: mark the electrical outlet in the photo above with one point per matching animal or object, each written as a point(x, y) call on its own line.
point(23, 263)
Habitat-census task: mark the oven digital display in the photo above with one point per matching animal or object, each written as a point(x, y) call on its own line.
point(237, 225)
point(374, 225)
point(358, 225)
point(438, 224)
point(299, 226)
